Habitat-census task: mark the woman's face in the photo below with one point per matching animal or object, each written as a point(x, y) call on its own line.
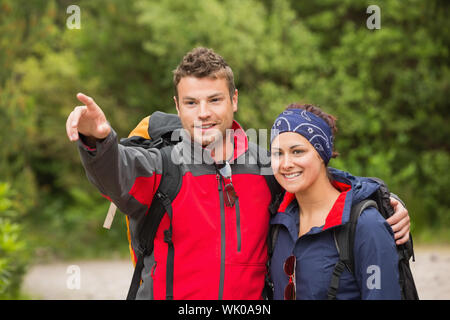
point(295, 162)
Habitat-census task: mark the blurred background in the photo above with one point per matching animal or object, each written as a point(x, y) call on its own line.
point(388, 87)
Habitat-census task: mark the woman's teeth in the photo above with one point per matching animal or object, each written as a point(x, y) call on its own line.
point(292, 175)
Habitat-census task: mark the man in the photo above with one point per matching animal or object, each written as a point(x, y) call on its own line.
point(220, 245)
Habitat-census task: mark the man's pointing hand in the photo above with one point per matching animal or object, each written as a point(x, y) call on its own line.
point(88, 120)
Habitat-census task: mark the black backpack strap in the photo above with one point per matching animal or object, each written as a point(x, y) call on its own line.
point(344, 238)
point(136, 279)
point(405, 251)
point(277, 193)
point(169, 187)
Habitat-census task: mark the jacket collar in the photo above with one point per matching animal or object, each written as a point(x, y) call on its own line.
point(353, 189)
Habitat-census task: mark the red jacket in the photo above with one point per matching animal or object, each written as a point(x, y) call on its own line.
point(219, 252)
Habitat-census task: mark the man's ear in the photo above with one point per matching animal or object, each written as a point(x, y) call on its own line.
point(176, 104)
point(234, 100)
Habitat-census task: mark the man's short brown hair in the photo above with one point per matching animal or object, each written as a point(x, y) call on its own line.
point(203, 62)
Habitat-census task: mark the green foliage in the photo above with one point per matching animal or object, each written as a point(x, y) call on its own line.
point(13, 248)
point(387, 87)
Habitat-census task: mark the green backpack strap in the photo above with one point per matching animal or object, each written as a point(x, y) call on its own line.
point(344, 238)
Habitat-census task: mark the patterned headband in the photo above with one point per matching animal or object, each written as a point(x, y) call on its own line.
point(310, 126)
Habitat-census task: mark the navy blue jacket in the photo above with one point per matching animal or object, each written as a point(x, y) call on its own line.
point(376, 259)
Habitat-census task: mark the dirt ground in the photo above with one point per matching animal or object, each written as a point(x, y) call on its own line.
point(109, 280)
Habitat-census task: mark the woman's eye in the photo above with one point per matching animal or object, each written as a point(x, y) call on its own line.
point(276, 154)
point(297, 152)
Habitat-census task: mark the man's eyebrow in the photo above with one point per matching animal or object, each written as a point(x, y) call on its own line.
point(188, 98)
point(216, 95)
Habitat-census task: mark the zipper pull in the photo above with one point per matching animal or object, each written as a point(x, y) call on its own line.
point(219, 182)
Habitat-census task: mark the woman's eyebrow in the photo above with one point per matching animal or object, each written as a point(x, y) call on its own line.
point(291, 147)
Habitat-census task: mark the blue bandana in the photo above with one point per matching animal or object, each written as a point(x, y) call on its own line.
point(310, 126)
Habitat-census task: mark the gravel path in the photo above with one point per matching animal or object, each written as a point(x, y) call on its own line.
point(109, 280)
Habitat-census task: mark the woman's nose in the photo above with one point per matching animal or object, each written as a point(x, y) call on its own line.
point(286, 163)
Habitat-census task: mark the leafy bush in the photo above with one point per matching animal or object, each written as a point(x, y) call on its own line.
point(13, 249)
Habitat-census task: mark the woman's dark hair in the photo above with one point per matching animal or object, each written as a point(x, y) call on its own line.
point(328, 118)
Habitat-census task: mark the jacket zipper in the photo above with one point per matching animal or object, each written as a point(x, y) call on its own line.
point(238, 225)
point(222, 238)
point(223, 235)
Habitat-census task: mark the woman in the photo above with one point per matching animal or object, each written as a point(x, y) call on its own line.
point(317, 201)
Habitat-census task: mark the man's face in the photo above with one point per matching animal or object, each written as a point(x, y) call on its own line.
point(205, 108)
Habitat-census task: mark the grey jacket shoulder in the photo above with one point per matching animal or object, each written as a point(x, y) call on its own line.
point(114, 169)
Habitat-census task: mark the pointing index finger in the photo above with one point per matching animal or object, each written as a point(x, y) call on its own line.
point(88, 101)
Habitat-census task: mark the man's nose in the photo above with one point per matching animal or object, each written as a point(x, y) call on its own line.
point(204, 111)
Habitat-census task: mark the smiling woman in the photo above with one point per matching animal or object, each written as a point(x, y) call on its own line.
point(319, 200)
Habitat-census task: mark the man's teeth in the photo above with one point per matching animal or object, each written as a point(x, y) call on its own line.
point(205, 127)
point(292, 175)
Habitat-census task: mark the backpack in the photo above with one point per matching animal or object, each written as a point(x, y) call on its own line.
point(344, 237)
point(156, 131)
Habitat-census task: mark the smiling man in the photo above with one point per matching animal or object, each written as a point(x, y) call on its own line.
point(206, 112)
point(220, 248)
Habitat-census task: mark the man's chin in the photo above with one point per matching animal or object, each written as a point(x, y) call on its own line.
point(207, 141)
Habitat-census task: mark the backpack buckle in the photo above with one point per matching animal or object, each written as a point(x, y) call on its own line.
point(157, 142)
point(168, 236)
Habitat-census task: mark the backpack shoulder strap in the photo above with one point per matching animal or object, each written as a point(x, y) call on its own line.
point(168, 188)
point(276, 191)
point(344, 238)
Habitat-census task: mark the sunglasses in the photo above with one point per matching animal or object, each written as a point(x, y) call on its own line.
point(289, 269)
point(224, 170)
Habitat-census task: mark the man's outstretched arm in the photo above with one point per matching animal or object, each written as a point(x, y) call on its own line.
point(128, 176)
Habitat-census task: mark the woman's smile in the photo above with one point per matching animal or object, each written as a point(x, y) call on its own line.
point(292, 175)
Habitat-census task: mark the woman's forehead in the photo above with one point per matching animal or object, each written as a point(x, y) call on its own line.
point(290, 140)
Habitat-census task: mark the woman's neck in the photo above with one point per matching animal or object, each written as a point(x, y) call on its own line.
point(317, 201)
